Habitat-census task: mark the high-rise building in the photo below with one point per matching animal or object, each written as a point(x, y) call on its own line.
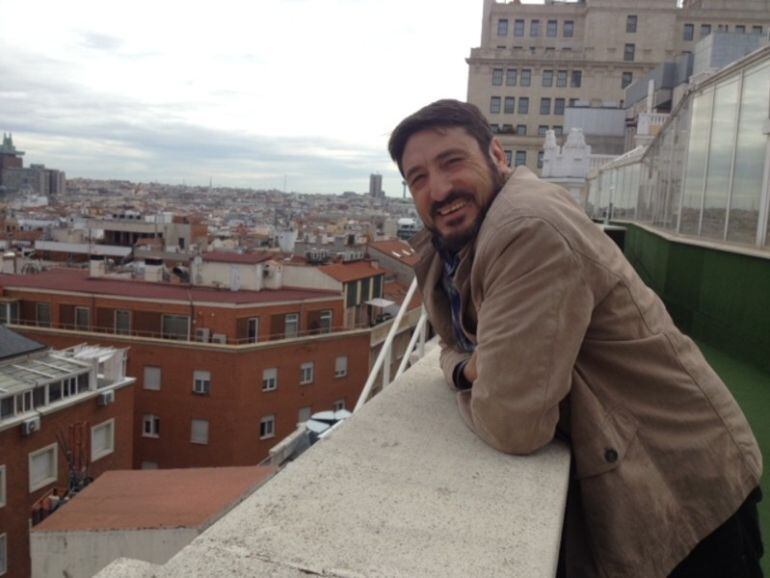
point(537, 60)
point(375, 185)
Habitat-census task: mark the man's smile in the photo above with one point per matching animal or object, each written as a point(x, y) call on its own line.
point(451, 208)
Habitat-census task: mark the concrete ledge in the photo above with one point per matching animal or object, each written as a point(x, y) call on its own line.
point(403, 488)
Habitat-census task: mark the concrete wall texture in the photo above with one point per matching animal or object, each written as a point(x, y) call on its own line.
point(718, 296)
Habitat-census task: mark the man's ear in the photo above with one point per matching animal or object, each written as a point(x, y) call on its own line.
point(497, 154)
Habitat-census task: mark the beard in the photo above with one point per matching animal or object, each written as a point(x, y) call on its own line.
point(455, 242)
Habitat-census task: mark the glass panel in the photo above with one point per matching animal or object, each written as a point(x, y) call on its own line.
point(696, 163)
point(720, 159)
point(749, 157)
point(175, 327)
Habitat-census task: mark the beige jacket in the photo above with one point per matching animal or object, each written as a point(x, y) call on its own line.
point(571, 341)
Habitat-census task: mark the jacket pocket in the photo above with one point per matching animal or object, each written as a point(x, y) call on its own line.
point(600, 445)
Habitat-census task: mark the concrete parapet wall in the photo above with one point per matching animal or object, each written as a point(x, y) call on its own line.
point(403, 488)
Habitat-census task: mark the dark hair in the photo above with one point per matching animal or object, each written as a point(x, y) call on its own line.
point(440, 114)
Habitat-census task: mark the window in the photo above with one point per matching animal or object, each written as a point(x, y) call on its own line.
point(291, 325)
point(201, 382)
point(267, 427)
point(3, 554)
point(176, 327)
point(506, 129)
point(122, 322)
point(510, 77)
point(534, 28)
point(199, 431)
point(628, 78)
point(306, 373)
point(152, 378)
point(551, 28)
point(545, 106)
point(628, 52)
point(577, 78)
point(54, 391)
point(304, 414)
point(548, 78)
point(341, 366)
point(252, 329)
point(326, 321)
point(84, 382)
point(740, 29)
point(523, 105)
point(518, 28)
point(150, 426)
point(569, 28)
point(269, 379)
point(723, 28)
point(339, 405)
point(497, 77)
point(542, 129)
point(43, 467)
point(540, 156)
point(526, 77)
point(82, 318)
point(69, 386)
point(705, 30)
point(558, 106)
point(509, 105)
point(24, 402)
point(102, 439)
point(521, 158)
point(756, 30)
point(43, 314)
point(561, 78)
point(631, 21)
point(502, 27)
point(558, 130)
point(149, 466)
point(521, 130)
point(2, 486)
point(494, 105)
point(508, 157)
point(688, 32)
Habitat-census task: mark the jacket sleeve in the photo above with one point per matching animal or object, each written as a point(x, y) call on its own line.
point(535, 309)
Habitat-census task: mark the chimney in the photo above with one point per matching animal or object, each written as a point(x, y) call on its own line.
point(96, 267)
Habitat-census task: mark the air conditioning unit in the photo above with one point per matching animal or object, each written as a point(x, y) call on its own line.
point(203, 334)
point(105, 398)
point(30, 426)
point(219, 338)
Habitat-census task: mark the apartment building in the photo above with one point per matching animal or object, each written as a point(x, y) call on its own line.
point(222, 373)
point(537, 60)
point(66, 416)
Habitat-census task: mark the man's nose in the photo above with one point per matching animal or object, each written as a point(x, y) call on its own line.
point(441, 186)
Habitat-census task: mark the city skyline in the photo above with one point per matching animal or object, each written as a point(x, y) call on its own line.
point(268, 97)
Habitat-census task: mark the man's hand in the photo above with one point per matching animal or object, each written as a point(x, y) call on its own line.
point(469, 371)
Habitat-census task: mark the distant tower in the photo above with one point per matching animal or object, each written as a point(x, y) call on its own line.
point(375, 186)
point(10, 157)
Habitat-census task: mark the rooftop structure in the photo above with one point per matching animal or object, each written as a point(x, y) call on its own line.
point(145, 514)
point(536, 60)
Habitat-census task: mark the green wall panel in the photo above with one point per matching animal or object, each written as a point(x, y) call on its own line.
point(719, 297)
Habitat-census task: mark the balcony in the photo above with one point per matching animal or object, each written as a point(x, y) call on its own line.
point(402, 488)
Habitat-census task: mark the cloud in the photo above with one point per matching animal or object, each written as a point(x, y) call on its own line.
point(96, 41)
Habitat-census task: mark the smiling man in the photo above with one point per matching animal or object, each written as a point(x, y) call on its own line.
point(547, 332)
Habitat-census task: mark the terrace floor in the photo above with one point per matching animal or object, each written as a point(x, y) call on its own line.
point(751, 387)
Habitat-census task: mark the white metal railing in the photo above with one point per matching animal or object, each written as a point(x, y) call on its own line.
point(384, 357)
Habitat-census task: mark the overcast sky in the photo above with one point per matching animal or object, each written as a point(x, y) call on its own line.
point(248, 93)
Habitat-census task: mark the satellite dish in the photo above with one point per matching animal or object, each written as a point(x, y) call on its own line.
point(317, 427)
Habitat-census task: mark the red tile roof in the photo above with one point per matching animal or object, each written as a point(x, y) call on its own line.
point(346, 272)
point(396, 249)
point(153, 499)
point(78, 281)
point(396, 292)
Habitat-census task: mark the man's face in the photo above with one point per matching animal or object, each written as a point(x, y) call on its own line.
point(452, 181)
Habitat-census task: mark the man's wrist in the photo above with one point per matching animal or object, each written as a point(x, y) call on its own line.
point(458, 376)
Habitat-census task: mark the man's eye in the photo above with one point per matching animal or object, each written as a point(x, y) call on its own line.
point(416, 180)
point(453, 161)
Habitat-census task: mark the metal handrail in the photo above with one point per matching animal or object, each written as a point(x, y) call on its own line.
point(383, 358)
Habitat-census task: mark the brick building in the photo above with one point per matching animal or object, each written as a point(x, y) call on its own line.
point(53, 404)
point(222, 374)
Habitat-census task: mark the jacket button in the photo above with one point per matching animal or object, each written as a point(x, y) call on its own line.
point(610, 455)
